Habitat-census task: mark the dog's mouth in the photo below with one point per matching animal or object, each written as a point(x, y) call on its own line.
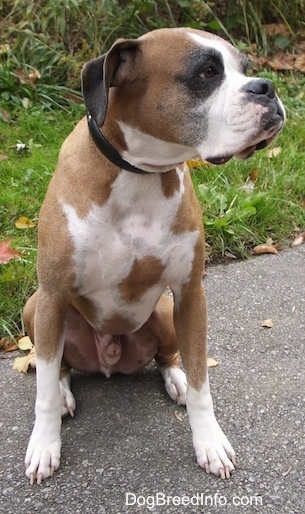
point(243, 154)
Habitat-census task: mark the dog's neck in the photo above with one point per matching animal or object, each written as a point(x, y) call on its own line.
point(143, 150)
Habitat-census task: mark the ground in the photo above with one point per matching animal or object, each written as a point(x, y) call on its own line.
point(128, 436)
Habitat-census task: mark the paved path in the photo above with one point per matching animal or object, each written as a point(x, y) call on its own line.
point(128, 437)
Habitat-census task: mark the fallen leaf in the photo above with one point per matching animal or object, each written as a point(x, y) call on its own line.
point(264, 248)
point(4, 49)
point(299, 63)
point(196, 163)
point(7, 344)
point(5, 116)
point(280, 63)
point(254, 174)
point(299, 240)
point(212, 363)
point(7, 253)
point(26, 102)
point(267, 323)
point(24, 222)
point(269, 241)
point(230, 255)
point(22, 364)
point(272, 29)
point(33, 76)
point(3, 156)
point(21, 74)
point(178, 415)
point(293, 309)
point(248, 186)
point(274, 152)
point(25, 343)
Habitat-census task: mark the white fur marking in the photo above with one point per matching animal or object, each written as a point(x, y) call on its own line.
point(67, 397)
point(43, 452)
point(126, 227)
point(213, 450)
point(148, 151)
point(175, 383)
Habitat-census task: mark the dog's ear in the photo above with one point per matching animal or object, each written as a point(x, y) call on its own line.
point(110, 69)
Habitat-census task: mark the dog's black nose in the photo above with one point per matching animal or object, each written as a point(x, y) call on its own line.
point(261, 87)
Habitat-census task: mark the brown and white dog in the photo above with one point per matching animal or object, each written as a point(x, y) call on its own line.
point(112, 237)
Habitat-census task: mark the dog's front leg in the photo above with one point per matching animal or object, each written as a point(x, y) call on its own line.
point(43, 453)
point(213, 450)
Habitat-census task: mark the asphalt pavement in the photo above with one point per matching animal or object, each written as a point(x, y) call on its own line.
point(128, 449)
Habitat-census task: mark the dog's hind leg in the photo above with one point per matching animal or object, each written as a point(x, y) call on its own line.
point(168, 359)
point(68, 401)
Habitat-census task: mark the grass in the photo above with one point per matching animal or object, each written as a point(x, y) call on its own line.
point(235, 219)
point(24, 178)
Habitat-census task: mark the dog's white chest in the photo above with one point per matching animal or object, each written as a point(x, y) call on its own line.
point(118, 243)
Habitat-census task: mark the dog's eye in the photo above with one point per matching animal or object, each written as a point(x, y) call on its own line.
point(208, 73)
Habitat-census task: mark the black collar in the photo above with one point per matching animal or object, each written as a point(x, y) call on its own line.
point(107, 149)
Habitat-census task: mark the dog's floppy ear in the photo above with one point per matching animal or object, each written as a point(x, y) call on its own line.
point(110, 69)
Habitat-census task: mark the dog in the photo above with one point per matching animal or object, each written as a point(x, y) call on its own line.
point(121, 222)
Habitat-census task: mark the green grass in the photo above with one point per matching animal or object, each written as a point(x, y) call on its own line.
point(24, 178)
point(235, 220)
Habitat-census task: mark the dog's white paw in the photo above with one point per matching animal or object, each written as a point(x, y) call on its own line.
point(213, 451)
point(68, 401)
point(175, 383)
point(42, 456)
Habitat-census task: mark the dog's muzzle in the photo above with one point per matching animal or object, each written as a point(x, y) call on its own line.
point(259, 91)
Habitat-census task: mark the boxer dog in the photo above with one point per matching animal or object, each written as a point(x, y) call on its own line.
point(121, 221)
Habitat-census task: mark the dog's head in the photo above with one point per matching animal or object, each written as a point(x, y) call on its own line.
point(187, 89)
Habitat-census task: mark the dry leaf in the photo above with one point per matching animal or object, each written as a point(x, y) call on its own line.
point(12, 347)
point(7, 344)
point(280, 64)
point(6, 253)
point(21, 74)
point(267, 323)
point(3, 156)
point(273, 29)
point(230, 255)
point(299, 240)
point(196, 163)
point(22, 364)
point(299, 63)
point(4, 49)
point(178, 415)
point(33, 76)
point(25, 343)
point(254, 174)
point(5, 116)
point(26, 102)
point(212, 363)
point(264, 248)
point(274, 152)
point(269, 241)
point(3, 341)
point(24, 222)
point(248, 186)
